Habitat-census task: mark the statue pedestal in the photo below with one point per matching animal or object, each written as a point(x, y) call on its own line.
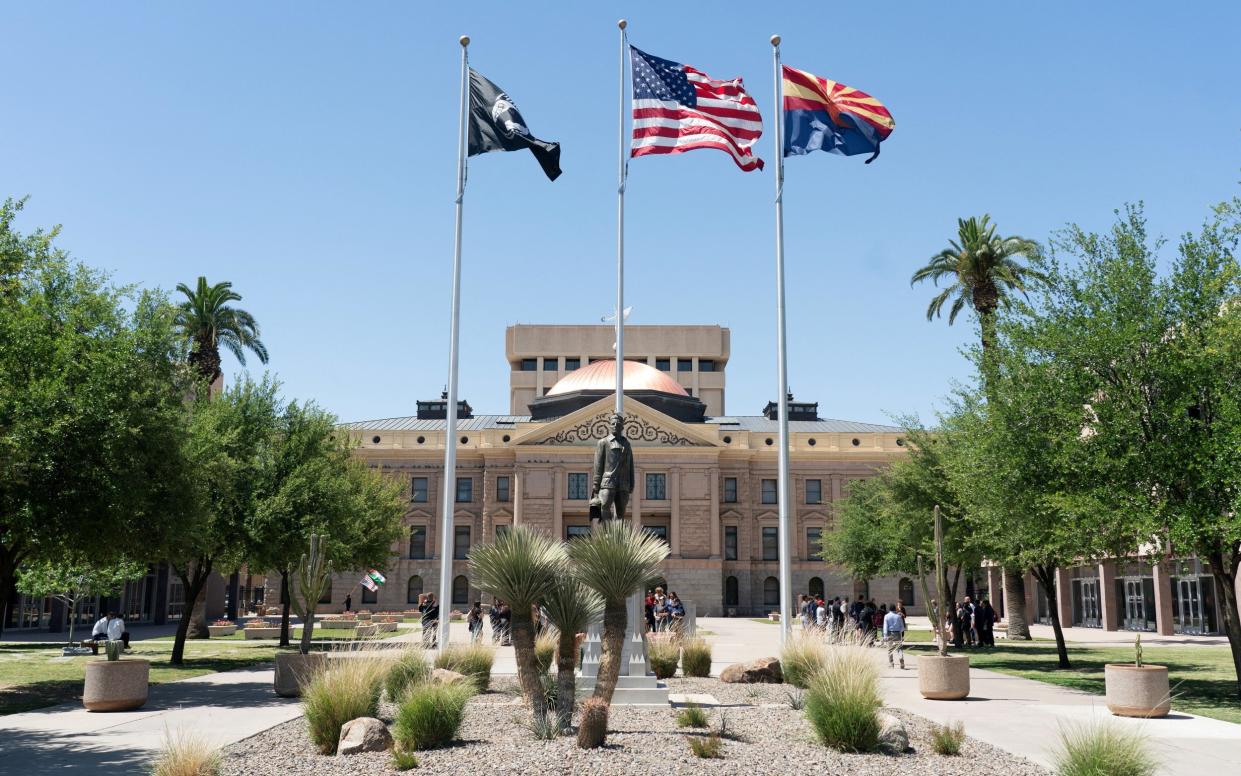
point(636, 686)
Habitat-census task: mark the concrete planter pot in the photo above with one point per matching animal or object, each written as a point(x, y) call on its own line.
point(261, 633)
point(293, 669)
point(1137, 692)
point(116, 685)
point(364, 631)
point(944, 678)
point(340, 624)
point(221, 630)
point(384, 627)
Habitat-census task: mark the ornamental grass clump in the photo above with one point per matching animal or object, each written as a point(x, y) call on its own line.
point(429, 715)
point(409, 669)
point(696, 657)
point(474, 661)
point(186, 755)
point(843, 701)
point(710, 747)
point(801, 657)
point(664, 655)
point(692, 716)
point(545, 649)
point(1103, 749)
point(948, 739)
point(347, 688)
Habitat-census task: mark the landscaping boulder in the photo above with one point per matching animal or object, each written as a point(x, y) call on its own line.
point(893, 738)
point(364, 734)
point(765, 670)
point(444, 676)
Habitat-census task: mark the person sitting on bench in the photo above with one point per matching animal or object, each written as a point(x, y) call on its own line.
point(116, 629)
point(98, 633)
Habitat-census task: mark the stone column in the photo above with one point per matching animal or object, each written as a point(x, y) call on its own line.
point(558, 495)
point(995, 582)
point(1064, 597)
point(160, 615)
point(635, 498)
point(716, 553)
point(674, 519)
point(1033, 591)
point(1163, 599)
point(518, 494)
point(1108, 604)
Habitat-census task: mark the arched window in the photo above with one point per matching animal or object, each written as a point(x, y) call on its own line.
point(816, 586)
point(771, 592)
point(861, 587)
point(460, 590)
point(731, 596)
point(414, 590)
point(907, 591)
point(370, 596)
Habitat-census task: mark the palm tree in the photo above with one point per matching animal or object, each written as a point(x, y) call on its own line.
point(571, 607)
point(208, 321)
point(984, 269)
point(520, 567)
point(615, 560)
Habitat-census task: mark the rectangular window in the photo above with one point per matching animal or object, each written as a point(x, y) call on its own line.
point(771, 543)
point(769, 492)
point(706, 365)
point(730, 490)
point(577, 487)
point(730, 542)
point(461, 542)
point(465, 490)
point(685, 365)
point(657, 530)
point(550, 363)
point(418, 490)
point(529, 365)
point(814, 539)
point(663, 364)
point(370, 596)
point(656, 487)
point(503, 528)
point(502, 489)
point(814, 491)
point(572, 363)
point(574, 531)
point(418, 542)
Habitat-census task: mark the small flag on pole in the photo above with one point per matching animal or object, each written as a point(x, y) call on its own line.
point(822, 115)
point(378, 578)
point(497, 125)
point(369, 583)
point(676, 108)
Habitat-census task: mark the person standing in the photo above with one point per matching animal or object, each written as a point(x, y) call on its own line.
point(430, 620)
point(984, 622)
point(493, 615)
point(348, 602)
point(894, 636)
point(475, 621)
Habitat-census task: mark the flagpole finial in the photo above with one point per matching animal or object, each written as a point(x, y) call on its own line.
point(622, 24)
point(465, 41)
point(775, 40)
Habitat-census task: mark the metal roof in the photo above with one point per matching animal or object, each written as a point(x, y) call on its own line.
point(412, 423)
point(756, 423)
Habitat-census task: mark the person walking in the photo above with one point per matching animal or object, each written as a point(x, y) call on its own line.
point(894, 636)
point(493, 616)
point(475, 621)
point(430, 620)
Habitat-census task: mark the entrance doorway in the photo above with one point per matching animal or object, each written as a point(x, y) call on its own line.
point(1193, 605)
point(1087, 609)
point(1137, 595)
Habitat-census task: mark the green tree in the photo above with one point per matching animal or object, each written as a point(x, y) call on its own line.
point(207, 321)
point(983, 270)
point(91, 413)
point(70, 582)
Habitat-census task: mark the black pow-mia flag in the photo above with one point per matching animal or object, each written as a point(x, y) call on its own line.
point(497, 125)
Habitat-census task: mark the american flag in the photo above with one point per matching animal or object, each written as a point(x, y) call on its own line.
point(676, 108)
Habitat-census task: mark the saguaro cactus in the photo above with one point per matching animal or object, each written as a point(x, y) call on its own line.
point(314, 575)
point(935, 606)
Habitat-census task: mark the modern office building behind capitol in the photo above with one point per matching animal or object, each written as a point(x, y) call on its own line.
point(705, 480)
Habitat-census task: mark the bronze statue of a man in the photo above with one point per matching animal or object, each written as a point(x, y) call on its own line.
point(613, 473)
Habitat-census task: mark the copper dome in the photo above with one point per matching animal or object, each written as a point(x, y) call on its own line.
point(601, 376)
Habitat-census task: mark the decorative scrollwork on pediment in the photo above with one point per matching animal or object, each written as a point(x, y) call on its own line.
point(638, 431)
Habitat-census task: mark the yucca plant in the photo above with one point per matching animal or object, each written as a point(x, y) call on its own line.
point(615, 560)
point(521, 567)
point(571, 606)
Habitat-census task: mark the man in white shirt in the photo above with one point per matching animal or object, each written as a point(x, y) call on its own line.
point(894, 636)
point(116, 629)
point(99, 633)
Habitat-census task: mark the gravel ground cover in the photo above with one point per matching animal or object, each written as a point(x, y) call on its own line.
point(766, 736)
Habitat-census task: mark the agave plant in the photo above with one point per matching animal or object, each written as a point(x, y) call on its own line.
point(520, 567)
point(571, 606)
point(615, 560)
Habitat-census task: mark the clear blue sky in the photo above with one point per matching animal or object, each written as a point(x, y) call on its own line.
point(306, 152)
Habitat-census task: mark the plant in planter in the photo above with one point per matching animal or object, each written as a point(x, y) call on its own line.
point(314, 575)
point(222, 628)
point(940, 676)
point(1137, 689)
point(114, 684)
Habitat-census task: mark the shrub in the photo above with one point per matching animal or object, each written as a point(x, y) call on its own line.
point(1103, 749)
point(947, 739)
point(592, 731)
point(692, 716)
point(664, 655)
point(404, 761)
point(471, 660)
point(407, 670)
point(545, 649)
point(696, 657)
point(709, 748)
point(797, 699)
point(801, 657)
point(186, 755)
point(544, 727)
point(430, 715)
point(843, 699)
point(347, 688)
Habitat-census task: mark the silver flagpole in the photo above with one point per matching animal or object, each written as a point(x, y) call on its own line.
point(786, 543)
point(448, 499)
point(620, 226)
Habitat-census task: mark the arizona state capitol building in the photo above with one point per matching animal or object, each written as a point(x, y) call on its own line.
point(705, 481)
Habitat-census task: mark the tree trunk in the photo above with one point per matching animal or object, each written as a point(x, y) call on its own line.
point(308, 628)
point(615, 623)
point(1225, 574)
point(1015, 605)
point(566, 680)
point(286, 603)
point(522, 629)
point(10, 557)
point(194, 584)
point(1047, 578)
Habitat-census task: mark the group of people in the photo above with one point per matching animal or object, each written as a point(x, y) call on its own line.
point(110, 627)
point(663, 612)
point(972, 624)
point(869, 623)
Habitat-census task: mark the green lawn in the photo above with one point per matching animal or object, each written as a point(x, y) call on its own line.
point(1203, 679)
point(320, 634)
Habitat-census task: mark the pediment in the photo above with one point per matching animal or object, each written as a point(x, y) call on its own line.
point(644, 427)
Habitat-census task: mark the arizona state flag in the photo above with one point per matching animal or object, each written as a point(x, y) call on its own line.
point(497, 125)
point(822, 115)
